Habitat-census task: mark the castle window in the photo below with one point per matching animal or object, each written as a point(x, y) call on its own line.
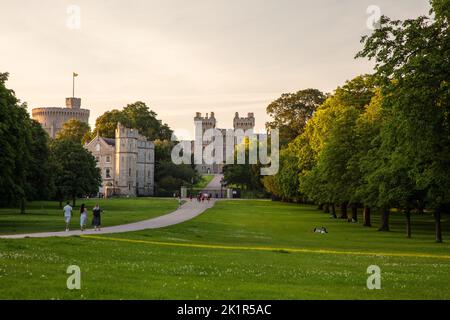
point(97, 147)
point(97, 158)
point(107, 173)
point(108, 159)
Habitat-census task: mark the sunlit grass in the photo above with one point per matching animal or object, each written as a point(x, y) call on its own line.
point(35, 268)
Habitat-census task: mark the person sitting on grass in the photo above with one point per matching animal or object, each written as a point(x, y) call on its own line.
point(67, 215)
point(96, 219)
point(83, 216)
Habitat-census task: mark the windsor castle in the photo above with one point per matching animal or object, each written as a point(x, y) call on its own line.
point(127, 161)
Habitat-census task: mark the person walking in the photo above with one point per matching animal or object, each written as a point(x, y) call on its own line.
point(179, 201)
point(96, 217)
point(83, 216)
point(67, 215)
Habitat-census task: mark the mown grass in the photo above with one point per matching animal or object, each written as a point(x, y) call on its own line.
point(36, 268)
point(48, 216)
point(204, 181)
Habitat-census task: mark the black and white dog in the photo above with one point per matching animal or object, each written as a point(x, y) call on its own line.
point(321, 230)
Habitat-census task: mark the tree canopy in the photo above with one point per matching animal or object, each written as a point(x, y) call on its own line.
point(76, 131)
point(136, 115)
point(292, 111)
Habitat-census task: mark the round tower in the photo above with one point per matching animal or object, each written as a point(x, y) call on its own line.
point(52, 119)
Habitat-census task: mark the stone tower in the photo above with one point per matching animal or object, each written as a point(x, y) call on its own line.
point(126, 159)
point(207, 122)
point(244, 123)
point(52, 119)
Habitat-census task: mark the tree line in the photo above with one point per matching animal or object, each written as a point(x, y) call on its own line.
point(380, 141)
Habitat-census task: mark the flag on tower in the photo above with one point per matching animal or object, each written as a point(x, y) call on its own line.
point(75, 74)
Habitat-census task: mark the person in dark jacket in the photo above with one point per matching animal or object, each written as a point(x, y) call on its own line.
point(96, 218)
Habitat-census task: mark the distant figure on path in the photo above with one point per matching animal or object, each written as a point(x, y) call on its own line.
point(96, 217)
point(83, 216)
point(179, 201)
point(67, 215)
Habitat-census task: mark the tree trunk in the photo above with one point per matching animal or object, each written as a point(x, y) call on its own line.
point(344, 210)
point(408, 222)
point(354, 212)
point(437, 223)
point(421, 207)
point(22, 205)
point(333, 210)
point(366, 215)
point(60, 203)
point(326, 208)
point(384, 220)
point(320, 207)
point(74, 198)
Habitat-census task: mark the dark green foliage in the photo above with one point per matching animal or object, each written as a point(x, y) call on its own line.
point(136, 115)
point(292, 111)
point(76, 172)
point(24, 169)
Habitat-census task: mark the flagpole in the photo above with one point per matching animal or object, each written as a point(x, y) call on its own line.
point(73, 85)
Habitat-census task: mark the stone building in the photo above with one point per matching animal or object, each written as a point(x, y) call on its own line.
point(127, 163)
point(52, 119)
point(209, 122)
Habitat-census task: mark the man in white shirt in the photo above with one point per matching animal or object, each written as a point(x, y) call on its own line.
point(67, 214)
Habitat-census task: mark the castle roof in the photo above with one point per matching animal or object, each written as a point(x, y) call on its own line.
point(110, 141)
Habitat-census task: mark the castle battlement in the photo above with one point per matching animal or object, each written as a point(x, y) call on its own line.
point(208, 122)
point(53, 118)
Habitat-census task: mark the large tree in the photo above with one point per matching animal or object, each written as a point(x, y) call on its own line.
point(76, 172)
point(24, 170)
point(76, 131)
point(136, 115)
point(329, 176)
point(169, 177)
point(292, 111)
point(413, 66)
point(15, 137)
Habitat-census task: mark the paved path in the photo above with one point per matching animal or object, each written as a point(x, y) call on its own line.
point(186, 212)
point(214, 184)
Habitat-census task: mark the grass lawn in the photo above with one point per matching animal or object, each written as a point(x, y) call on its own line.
point(204, 181)
point(48, 216)
point(236, 250)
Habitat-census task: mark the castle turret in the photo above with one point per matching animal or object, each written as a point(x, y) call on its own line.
point(206, 122)
point(244, 123)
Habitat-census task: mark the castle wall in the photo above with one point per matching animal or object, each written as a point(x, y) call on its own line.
point(244, 123)
point(104, 154)
point(132, 165)
point(52, 119)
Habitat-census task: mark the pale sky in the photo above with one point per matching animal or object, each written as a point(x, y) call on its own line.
point(184, 56)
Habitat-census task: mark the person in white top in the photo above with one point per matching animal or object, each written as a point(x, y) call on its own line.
point(67, 214)
point(83, 216)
